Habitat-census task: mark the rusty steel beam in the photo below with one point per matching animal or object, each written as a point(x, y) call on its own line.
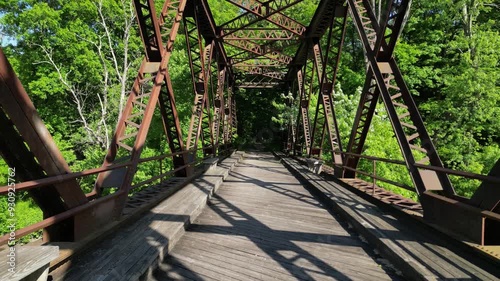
point(321, 21)
point(269, 11)
point(267, 46)
point(290, 141)
point(149, 87)
point(391, 26)
point(171, 125)
point(204, 24)
point(370, 93)
point(218, 123)
point(387, 35)
point(256, 34)
point(133, 126)
point(271, 54)
point(18, 156)
point(207, 133)
point(22, 115)
point(271, 73)
point(17, 105)
point(260, 62)
point(200, 64)
point(259, 81)
point(28, 147)
point(310, 88)
point(290, 103)
point(408, 126)
point(382, 40)
point(302, 84)
point(150, 32)
point(259, 85)
point(228, 116)
point(209, 31)
point(364, 115)
point(166, 101)
point(230, 120)
point(254, 51)
point(257, 68)
point(247, 45)
point(304, 110)
point(234, 121)
point(327, 67)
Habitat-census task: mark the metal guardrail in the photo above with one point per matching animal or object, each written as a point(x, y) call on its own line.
point(455, 215)
point(24, 186)
point(447, 171)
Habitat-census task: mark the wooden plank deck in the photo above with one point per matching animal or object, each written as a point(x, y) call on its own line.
point(419, 251)
point(264, 225)
point(133, 251)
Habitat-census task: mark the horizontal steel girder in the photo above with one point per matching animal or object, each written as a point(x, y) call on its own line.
point(270, 11)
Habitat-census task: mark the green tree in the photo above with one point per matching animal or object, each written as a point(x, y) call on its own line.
point(74, 58)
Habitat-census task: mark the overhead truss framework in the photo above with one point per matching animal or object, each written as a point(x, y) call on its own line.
point(262, 40)
point(261, 48)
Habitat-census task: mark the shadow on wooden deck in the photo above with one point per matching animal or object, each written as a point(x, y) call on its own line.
point(263, 251)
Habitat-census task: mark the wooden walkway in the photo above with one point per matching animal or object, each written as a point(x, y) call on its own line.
point(419, 251)
point(131, 252)
point(264, 225)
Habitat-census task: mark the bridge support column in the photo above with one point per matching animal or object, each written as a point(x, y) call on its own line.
point(379, 40)
point(219, 122)
point(304, 98)
point(325, 120)
point(20, 124)
point(200, 126)
point(152, 86)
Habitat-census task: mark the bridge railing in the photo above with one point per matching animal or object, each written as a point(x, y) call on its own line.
point(476, 218)
point(373, 175)
point(93, 200)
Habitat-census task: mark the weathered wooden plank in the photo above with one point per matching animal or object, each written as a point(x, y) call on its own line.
point(134, 250)
point(252, 259)
point(235, 262)
point(25, 261)
point(421, 252)
point(274, 197)
point(288, 211)
point(202, 265)
point(177, 271)
point(263, 225)
point(211, 218)
point(197, 270)
point(169, 215)
point(244, 243)
point(277, 237)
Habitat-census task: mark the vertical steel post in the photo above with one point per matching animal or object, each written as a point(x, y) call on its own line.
point(403, 113)
point(200, 124)
point(218, 123)
point(326, 67)
point(20, 124)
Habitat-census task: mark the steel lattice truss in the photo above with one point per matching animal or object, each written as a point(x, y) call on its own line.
point(263, 47)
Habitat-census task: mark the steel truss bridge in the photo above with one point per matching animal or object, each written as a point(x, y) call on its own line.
point(263, 47)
